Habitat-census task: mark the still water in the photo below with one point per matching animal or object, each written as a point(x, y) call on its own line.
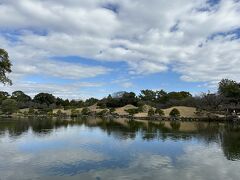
point(118, 149)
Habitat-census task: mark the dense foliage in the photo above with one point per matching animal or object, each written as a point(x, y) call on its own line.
point(9, 106)
point(44, 98)
point(229, 88)
point(226, 99)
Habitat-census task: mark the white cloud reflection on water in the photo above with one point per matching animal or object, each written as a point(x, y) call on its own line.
point(83, 153)
point(198, 162)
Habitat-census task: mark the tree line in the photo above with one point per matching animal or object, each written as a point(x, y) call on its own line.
point(47, 101)
point(226, 99)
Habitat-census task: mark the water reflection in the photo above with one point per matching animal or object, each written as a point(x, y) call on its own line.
point(230, 142)
point(93, 148)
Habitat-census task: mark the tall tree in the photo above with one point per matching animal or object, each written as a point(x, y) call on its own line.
point(46, 98)
point(5, 67)
point(9, 106)
point(91, 101)
point(148, 95)
point(129, 98)
point(179, 95)
point(162, 96)
point(20, 96)
point(3, 96)
point(229, 88)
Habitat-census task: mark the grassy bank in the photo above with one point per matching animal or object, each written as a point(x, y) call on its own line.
point(146, 112)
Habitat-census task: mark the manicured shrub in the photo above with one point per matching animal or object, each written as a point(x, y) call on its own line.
point(112, 110)
point(75, 113)
point(31, 111)
point(86, 111)
point(103, 112)
point(131, 111)
point(174, 113)
point(59, 113)
point(160, 112)
point(151, 112)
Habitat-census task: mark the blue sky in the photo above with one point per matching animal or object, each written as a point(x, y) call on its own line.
point(78, 49)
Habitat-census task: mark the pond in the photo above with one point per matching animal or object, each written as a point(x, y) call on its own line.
point(118, 149)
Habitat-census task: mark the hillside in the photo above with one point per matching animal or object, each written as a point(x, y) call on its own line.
point(184, 111)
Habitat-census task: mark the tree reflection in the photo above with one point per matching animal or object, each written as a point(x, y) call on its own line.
point(226, 135)
point(230, 141)
point(40, 126)
point(13, 127)
point(175, 125)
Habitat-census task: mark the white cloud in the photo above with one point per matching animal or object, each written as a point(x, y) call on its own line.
point(68, 90)
point(157, 36)
point(127, 84)
point(29, 60)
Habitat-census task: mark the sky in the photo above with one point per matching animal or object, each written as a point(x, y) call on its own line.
point(78, 49)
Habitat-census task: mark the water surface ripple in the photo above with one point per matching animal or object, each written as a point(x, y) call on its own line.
point(118, 149)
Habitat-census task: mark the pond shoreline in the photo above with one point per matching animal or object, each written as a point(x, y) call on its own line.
point(228, 119)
